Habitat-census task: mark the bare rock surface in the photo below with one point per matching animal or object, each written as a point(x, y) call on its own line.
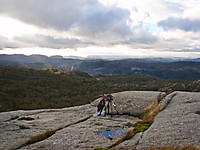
point(85, 134)
point(132, 102)
point(178, 123)
point(14, 132)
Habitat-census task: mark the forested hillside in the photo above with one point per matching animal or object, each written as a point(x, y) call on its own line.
point(184, 70)
point(27, 88)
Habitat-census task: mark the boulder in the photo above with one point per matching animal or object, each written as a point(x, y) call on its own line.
point(132, 102)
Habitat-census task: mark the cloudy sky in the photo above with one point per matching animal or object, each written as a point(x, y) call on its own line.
point(138, 28)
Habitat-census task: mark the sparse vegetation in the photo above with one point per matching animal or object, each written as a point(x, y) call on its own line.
point(49, 133)
point(100, 148)
point(148, 115)
point(184, 147)
point(41, 136)
point(162, 95)
point(150, 112)
point(143, 127)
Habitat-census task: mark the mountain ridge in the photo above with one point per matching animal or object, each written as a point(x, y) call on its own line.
point(162, 68)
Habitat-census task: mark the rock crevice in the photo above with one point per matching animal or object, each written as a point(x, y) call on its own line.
point(176, 124)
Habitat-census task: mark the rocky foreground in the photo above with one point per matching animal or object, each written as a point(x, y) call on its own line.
point(177, 124)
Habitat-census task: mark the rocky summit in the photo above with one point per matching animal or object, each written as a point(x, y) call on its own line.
point(178, 123)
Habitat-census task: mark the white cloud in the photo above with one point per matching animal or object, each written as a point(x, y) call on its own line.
point(133, 26)
point(12, 27)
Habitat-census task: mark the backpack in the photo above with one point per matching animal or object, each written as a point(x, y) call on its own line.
point(109, 97)
point(101, 105)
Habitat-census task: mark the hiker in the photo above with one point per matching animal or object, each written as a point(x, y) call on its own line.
point(101, 104)
point(107, 102)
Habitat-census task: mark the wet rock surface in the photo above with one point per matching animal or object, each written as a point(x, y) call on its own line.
point(178, 123)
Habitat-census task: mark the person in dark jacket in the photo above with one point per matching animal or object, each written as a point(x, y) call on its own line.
point(107, 102)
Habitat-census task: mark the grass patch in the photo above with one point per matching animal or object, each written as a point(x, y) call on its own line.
point(150, 112)
point(163, 95)
point(142, 127)
point(100, 148)
point(26, 118)
point(41, 137)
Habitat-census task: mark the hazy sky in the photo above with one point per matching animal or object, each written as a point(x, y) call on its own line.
point(138, 28)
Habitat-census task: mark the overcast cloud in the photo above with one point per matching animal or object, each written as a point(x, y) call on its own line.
point(180, 23)
point(63, 24)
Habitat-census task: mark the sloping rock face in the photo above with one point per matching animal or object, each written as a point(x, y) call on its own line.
point(178, 123)
point(132, 102)
point(14, 132)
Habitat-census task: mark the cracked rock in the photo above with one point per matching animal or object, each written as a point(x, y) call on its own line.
point(178, 123)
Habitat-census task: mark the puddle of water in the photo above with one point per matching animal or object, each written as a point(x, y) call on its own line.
point(118, 132)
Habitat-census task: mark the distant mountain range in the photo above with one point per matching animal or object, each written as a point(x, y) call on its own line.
point(36, 58)
point(167, 68)
point(39, 61)
point(149, 59)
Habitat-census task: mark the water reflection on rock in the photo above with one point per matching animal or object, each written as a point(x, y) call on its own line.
point(117, 132)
